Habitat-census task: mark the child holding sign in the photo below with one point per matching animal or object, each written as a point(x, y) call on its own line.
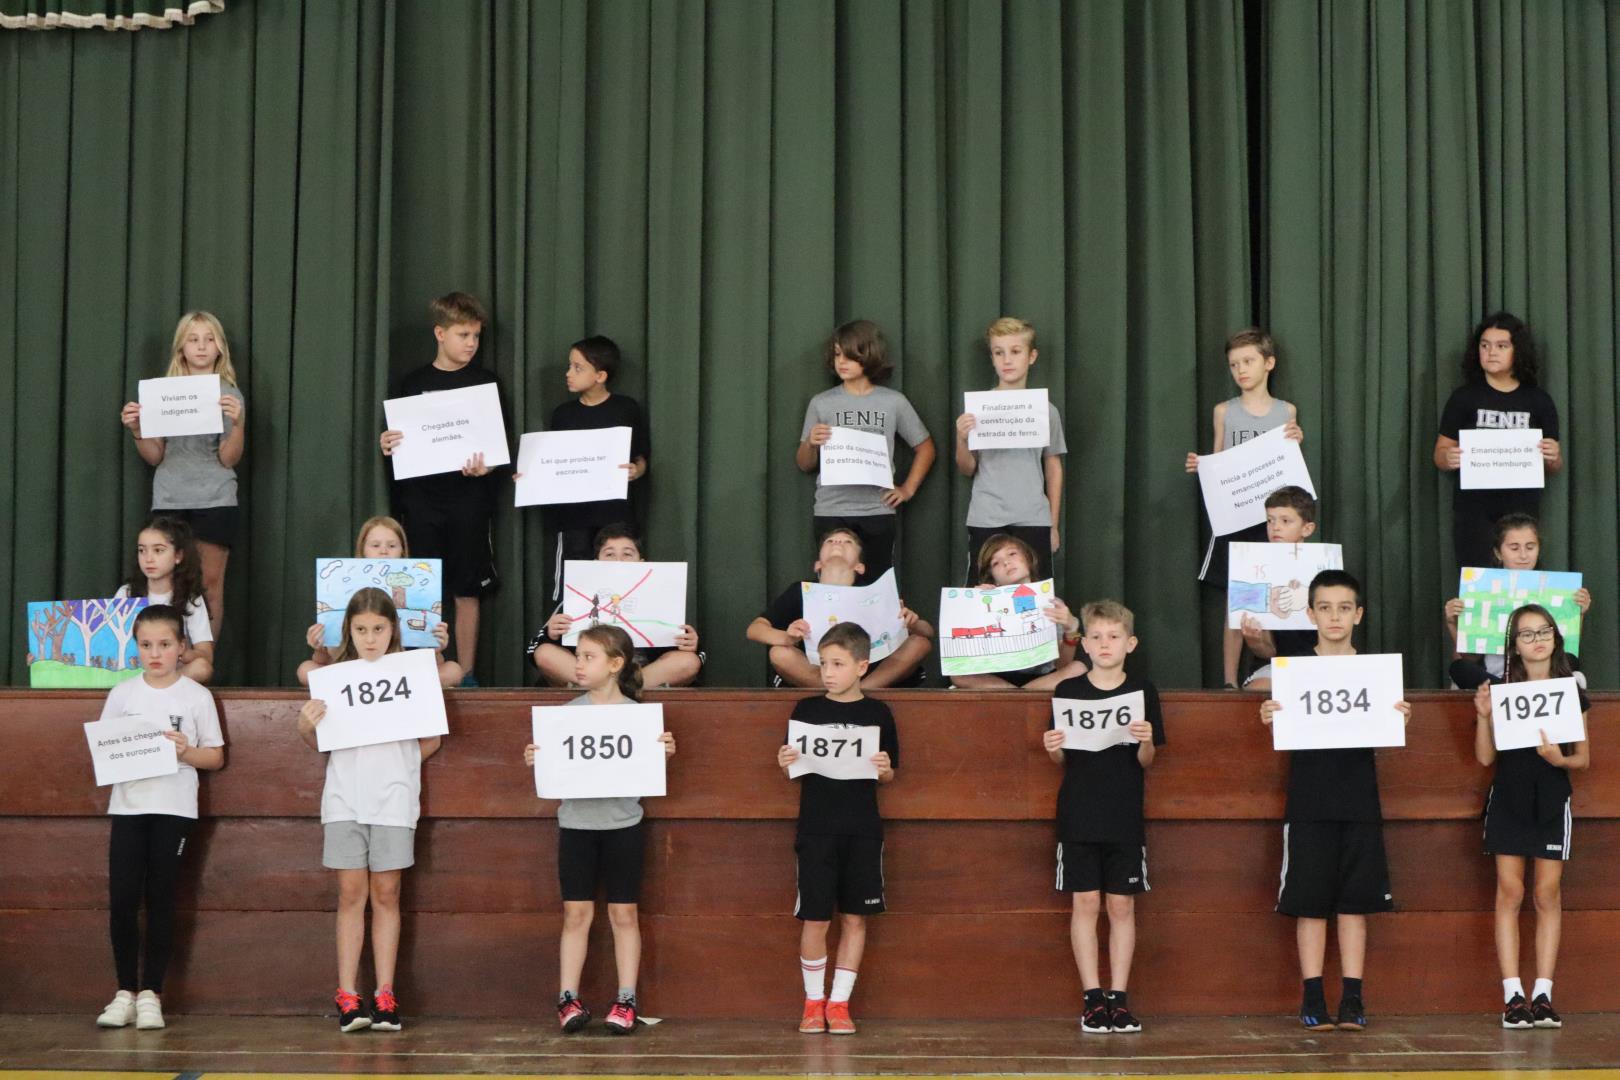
point(1102, 842)
point(450, 513)
point(674, 665)
point(168, 570)
point(839, 842)
point(194, 477)
point(369, 809)
point(599, 842)
point(1016, 491)
point(1251, 357)
point(379, 538)
point(1333, 833)
point(1006, 560)
point(1290, 519)
point(858, 356)
point(151, 818)
point(783, 627)
point(1527, 817)
point(1501, 390)
point(1516, 545)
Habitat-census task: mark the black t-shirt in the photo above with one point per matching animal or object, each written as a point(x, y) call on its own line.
point(452, 489)
point(617, 411)
point(787, 608)
point(1333, 785)
point(1294, 642)
point(1477, 404)
point(1526, 785)
point(844, 807)
point(1100, 800)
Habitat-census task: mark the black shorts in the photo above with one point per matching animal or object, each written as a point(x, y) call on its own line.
point(1218, 555)
point(215, 525)
point(1025, 676)
point(842, 873)
point(460, 537)
point(1513, 834)
point(1120, 869)
point(1334, 868)
point(586, 857)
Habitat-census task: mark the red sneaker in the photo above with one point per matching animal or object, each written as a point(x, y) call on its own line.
point(572, 1015)
point(838, 1021)
point(814, 1021)
point(351, 1012)
point(621, 1019)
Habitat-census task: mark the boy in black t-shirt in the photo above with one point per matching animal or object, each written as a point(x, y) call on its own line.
point(840, 836)
point(1290, 519)
point(448, 515)
point(1102, 848)
point(1333, 831)
point(783, 626)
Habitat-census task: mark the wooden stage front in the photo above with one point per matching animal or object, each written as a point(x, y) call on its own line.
point(974, 926)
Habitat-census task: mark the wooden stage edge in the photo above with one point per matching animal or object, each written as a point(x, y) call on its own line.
point(968, 865)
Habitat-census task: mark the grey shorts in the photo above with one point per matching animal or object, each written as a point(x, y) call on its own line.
point(350, 845)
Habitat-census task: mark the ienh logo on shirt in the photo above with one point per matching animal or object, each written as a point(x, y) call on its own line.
point(1496, 418)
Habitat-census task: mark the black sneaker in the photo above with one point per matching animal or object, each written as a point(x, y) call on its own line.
point(351, 1012)
point(1314, 1015)
point(1352, 1016)
point(1121, 1021)
point(384, 1011)
point(1516, 1015)
point(1097, 1019)
point(1543, 1014)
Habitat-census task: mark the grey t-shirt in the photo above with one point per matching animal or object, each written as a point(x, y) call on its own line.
point(885, 411)
point(619, 813)
point(1009, 486)
point(190, 476)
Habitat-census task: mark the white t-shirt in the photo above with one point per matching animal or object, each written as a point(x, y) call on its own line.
point(198, 632)
point(186, 707)
point(374, 785)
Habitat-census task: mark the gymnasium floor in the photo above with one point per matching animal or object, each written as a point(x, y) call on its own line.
point(1453, 1047)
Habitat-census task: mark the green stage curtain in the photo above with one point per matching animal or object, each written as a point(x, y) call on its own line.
point(717, 185)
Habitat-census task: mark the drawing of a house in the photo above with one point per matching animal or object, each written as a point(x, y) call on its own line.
point(1023, 599)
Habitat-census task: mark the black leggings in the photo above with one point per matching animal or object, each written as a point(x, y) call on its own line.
point(143, 862)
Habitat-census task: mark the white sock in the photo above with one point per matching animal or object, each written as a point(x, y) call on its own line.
point(1511, 987)
point(1543, 986)
point(815, 978)
point(843, 983)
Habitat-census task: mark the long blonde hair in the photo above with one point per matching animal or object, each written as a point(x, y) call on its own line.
point(177, 358)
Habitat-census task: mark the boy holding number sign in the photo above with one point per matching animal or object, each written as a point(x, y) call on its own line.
point(839, 841)
point(1527, 812)
point(1102, 842)
point(1333, 833)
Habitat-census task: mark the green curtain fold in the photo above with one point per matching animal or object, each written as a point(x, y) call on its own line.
point(717, 184)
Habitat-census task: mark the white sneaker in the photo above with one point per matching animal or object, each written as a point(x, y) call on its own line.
point(148, 1012)
point(119, 1011)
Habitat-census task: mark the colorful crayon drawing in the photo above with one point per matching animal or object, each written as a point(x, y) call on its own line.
point(1271, 582)
point(875, 608)
point(415, 585)
point(996, 629)
point(647, 600)
point(1490, 595)
point(82, 644)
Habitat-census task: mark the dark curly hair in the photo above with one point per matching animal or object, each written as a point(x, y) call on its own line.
point(188, 584)
point(1526, 360)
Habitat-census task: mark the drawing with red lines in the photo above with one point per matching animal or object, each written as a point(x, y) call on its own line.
point(647, 600)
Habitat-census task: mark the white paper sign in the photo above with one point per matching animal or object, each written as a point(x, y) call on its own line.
point(1099, 724)
point(1006, 419)
point(442, 430)
point(875, 608)
point(1520, 712)
point(1337, 701)
point(1271, 582)
point(598, 751)
point(573, 466)
point(1501, 458)
point(386, 700)
point(183, 405)
point(647, 600)
point(838, 753)
point(850, 456)
point(1236, 482)
point(130, 748)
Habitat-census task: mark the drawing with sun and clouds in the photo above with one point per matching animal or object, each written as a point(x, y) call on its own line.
point(415, 585)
